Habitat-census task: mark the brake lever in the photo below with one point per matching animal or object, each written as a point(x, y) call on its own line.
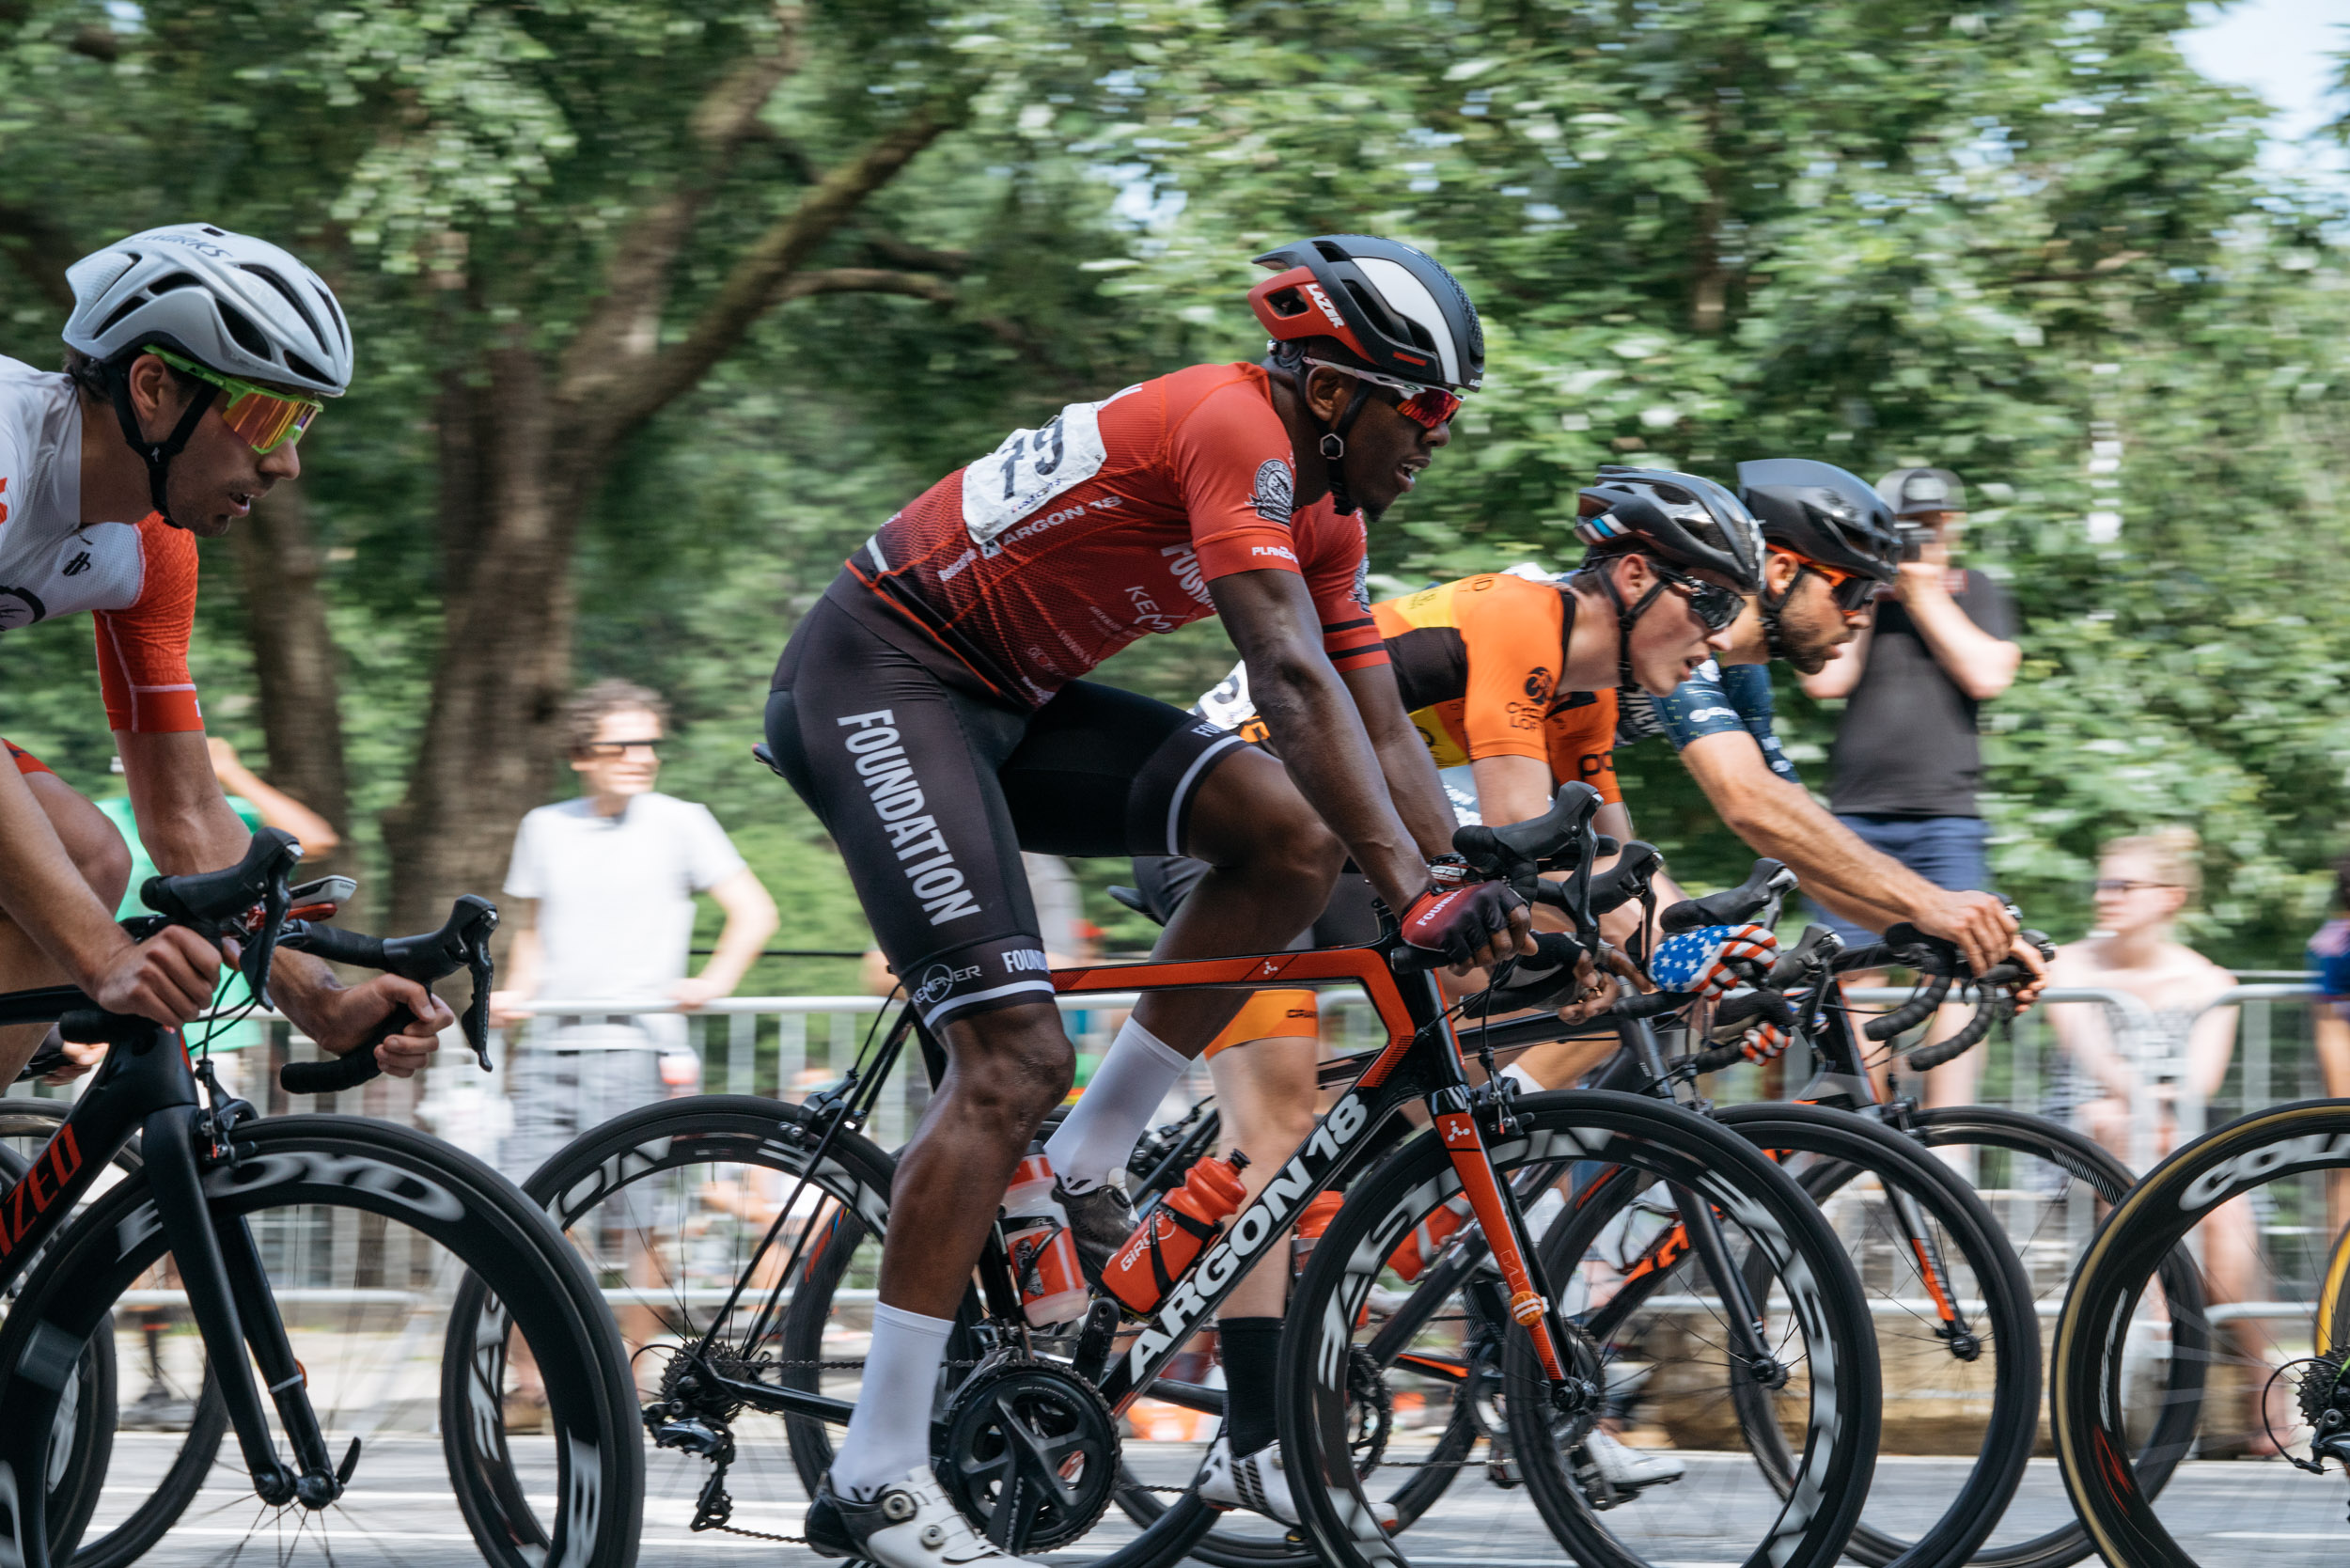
point(482, 970)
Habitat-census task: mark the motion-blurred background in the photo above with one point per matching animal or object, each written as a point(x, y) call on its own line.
point(662, 306)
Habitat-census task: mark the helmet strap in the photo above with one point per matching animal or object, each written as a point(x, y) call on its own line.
point(1333, 445)
point(1626, 617)
point(157, 455)
point(1769, 605)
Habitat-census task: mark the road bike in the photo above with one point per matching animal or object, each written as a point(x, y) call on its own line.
point(317, 1257)
point(745, 1234)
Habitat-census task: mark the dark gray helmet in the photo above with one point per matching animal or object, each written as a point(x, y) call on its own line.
point(1681, 519)
point(1821, 512)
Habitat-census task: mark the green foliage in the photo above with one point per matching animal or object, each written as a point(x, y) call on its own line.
point(2025, 242)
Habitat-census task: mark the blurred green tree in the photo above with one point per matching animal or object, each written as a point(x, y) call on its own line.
point(593, 430)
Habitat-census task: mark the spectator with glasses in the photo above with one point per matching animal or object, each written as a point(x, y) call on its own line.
point(601, 901)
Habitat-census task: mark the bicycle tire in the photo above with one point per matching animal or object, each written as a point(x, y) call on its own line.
point(658, 1141)
point(295, 1169)
point(2084, 1159)
point(1850, 1146)
point(87, 1445)
point(1650, 1139)
point(2091, 1342)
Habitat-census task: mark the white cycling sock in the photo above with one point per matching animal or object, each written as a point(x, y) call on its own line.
point(1117, 1102)
point(1526, 1081)
point(889, 1432)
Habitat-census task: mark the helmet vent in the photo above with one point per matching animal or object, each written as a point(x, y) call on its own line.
point(293, 298)
point(241, 327)
point(125, 309)
point(1675, 494)
point(302, 366)
point(170, 281)
point(1286, 302)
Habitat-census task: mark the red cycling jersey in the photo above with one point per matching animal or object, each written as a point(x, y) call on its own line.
point(1045, 558)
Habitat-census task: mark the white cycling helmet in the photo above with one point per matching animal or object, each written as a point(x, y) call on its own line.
point(231, 303)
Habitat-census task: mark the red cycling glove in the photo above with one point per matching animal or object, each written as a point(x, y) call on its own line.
point(1456, 921)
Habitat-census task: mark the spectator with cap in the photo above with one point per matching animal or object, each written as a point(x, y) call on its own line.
point(1908, 757)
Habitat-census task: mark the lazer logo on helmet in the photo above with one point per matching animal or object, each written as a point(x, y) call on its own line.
point(1321, 302)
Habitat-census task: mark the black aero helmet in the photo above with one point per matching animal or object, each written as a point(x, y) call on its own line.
point(1681, 519)
point(1391, 307)
point(1823, 512)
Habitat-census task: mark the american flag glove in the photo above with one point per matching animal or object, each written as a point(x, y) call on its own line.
point(1702, 960)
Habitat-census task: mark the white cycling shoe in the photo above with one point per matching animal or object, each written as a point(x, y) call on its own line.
point(912, 1525)
point(1627, 1469)
point(1259, 1483)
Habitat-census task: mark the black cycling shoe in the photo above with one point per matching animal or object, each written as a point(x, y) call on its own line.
point(1099, 1222)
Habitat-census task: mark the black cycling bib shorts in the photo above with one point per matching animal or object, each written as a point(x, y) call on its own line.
point(932, 790)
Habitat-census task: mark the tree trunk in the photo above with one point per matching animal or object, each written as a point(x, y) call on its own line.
point(294, 661)
point(488, 749)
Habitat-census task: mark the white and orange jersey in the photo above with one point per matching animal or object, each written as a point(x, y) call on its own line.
point(137, 579)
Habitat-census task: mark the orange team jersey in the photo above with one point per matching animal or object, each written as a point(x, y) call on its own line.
point(1478, 660)
point(1064, 544)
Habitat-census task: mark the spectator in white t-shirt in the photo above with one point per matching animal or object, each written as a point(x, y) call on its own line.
point(601, 901)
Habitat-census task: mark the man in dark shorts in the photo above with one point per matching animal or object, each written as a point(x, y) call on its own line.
point(928, 710)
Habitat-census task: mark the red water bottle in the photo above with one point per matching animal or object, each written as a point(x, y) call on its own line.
point(1315, 1221)
point(1428, 1238)
point(1172, 1235)
point(1043, 1254)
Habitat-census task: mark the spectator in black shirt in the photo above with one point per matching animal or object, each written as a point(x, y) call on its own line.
point(1907, 754)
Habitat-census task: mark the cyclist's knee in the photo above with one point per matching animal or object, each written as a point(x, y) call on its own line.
point(90, 840)
point(1293, 844)
point(1012, 1065)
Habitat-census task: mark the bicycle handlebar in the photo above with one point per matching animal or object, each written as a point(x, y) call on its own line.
point(461, 943)
point(248, 902)
point(1732, 906)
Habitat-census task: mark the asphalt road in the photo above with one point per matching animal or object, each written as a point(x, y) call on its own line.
point(401, 1511)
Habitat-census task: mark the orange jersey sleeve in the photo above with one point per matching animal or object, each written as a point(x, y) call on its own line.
point(1581, 742)
point(143, 647)
point(1510, 630)
point(1229, 457)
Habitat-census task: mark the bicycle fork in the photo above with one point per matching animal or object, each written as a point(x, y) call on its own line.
point(1532, 1305)
point(228, 1295)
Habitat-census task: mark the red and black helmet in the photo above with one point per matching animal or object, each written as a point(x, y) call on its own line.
point(1387, 305)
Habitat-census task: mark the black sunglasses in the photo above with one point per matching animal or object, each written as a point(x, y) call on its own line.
point(607, 750)
point(1715, 606)
point(1851, 591)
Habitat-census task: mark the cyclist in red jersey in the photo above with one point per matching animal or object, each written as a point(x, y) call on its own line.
point(195, 358)
point(930, 710)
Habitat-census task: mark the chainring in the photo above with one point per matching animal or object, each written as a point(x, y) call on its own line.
point(1034, 1436)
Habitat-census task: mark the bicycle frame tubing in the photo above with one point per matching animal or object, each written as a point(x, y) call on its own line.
point(1421, 1061)
point(145, 1085)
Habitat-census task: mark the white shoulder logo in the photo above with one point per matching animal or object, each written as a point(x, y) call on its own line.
point(1274, 493)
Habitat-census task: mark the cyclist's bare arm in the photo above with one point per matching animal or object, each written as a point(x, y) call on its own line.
point(1404, 760)
point(1311, 714)
point(186, 825)
point(1869, 888)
